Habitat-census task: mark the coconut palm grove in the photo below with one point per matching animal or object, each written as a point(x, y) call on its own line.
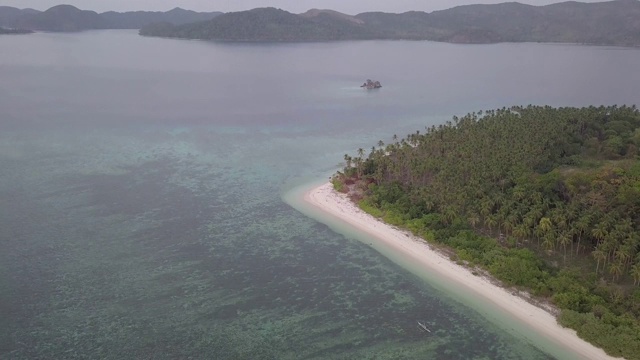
point(544, 199)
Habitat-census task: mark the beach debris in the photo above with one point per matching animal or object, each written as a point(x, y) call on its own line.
point(423, 327)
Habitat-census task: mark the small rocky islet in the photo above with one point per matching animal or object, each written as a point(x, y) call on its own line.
point(370, 84)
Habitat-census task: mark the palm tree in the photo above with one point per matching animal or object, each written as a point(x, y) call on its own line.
point(549, 241)
point(490, 221)
point(545, 224)
point(632, 245)
point(615, 269)
point(560, 221)
point(635, 273)
point(528, 221)
point(564, 239)
point(518, 193)
point(520, 231)
point(536, 213)
point(623, 255)
point(581, 227)
point(485, 207)
point(358, 162)
point(348, 159)
point(537, 197)
point(473, 219)
point(600, 231)
point(599, 256)
point(450, 214)
point(507, 225)
point(543, 228)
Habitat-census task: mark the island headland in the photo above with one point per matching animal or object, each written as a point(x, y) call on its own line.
point(545, 200)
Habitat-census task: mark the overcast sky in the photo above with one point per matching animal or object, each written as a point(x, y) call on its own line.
point(296, 6)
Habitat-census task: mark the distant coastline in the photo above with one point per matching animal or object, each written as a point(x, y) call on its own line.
point(339, 206)
point(566, 22)
point(610, 23)
point(4, 31)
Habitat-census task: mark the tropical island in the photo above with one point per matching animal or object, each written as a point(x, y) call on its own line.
point(545, 200)
point(67, 18)
point(603, 23)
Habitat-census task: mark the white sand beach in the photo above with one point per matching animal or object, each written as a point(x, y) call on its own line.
point(325, 198)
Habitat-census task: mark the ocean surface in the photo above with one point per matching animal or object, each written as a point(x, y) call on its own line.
point(143, 185)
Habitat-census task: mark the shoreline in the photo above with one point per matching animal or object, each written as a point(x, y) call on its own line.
point(408, 246)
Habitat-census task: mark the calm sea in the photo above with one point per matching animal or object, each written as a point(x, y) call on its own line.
point(141, 187)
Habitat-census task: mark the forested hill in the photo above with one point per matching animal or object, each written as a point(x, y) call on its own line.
point(60, 18)
point(64, 18)
point(269, 24)
point(542, 198)
point(612, 23)
point(8, 15)
point(140, 19)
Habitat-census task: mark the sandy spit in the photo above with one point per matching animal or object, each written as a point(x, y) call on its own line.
point(328, 200)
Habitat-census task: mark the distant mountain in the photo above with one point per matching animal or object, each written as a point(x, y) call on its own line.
point(139, 19)
point(607, 23)
point(8, 14)
point(69, 18)
point(613, 22)
point(61, 18)
point(268, 24)
point(314, 13)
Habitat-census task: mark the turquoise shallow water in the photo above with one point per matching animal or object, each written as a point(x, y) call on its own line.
point(142, 193)
point(179, 254)
point(456, 293)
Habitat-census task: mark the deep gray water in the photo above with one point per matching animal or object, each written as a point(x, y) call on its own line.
point(141, 189)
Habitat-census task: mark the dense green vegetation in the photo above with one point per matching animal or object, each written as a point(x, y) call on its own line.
point(611, 23)
point(267, 24)
point(545, 199)
point(140, 19)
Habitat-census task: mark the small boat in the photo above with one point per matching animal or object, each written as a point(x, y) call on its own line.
point(423, 327)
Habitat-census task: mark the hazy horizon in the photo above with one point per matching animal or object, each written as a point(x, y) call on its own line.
point(349, 7)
